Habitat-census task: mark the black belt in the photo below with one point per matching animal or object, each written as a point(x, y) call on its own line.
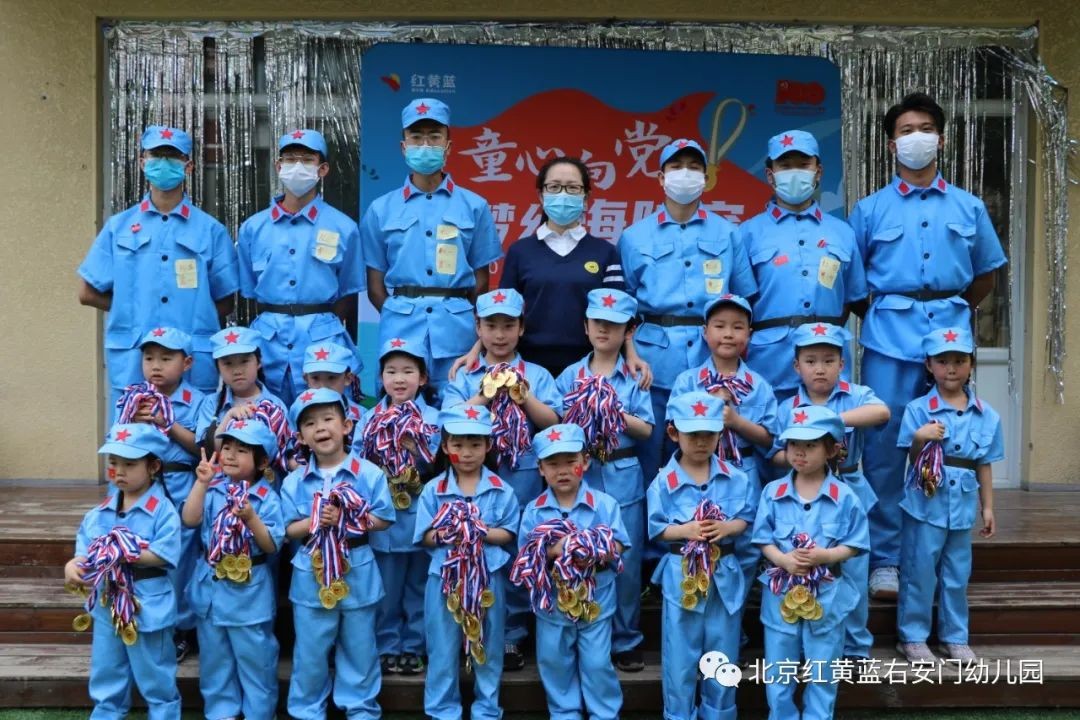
point(177, 467)
point(673, 320)
point(145, 573)
point(725, 548)
point(257, 560)
point(419, 291)
point(837, 569)
point(793, 321)
point(622, 453)
point(297, 308)
point(353, 542)
point(925, 295)
point(847, 470)
point(958, 462)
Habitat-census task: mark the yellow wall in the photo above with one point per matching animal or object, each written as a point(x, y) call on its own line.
point(49, 181)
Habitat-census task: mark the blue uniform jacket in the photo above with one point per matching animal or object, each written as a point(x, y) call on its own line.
point(759, 406)
point(208, 412)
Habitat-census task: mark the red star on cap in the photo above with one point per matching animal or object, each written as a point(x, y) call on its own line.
point(699, 408)
point(298, 134)
point(397, 342)
point(472, 413)
point(422, 109)
point(683, 143)
point(322, 354)
point(819, 329)
point(609, 300)
point(498, 297)
point(239, 424)
point(950, 336)
point(231, 338)
point(158, 332)
point(306, 397)
point(800, 417)
point(554, 435)
point(123, 435)
point(787, 140)
point(167, 134)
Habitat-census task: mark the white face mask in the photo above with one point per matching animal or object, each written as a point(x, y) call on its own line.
point(916, 150)
point(684, 185)
point(298, 178)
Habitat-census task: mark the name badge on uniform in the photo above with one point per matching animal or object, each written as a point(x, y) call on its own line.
point(713, 267)
point(446, 257)
point(446, 232)
point(326, 245)
point(187, 275)
point(827, 270)
point(714, 286)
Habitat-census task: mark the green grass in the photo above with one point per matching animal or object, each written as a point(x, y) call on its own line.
point(1003, 714)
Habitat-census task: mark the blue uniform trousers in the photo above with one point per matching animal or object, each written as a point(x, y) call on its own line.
point(857, 638)
point(626, 623)
point(150, 663)
point(238, 674)
point(935, 562)
point(654, 452)
point(527, 485)
point(180, 576)
point(399, 616)
point(897, 382)
point(357, 681)
point(686, 636)
point(819, 695)
point(442, 693)
point(575, 664)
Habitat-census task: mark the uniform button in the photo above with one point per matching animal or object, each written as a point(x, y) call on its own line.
point(687, 263)
point(802, 242)
point(926, 286)
point(806, 506)
point(952, 482)
point(468, 499)
point(430, 309)
point(925, 224)
point(429, 271)
point(428, 233)
point(955, 447)
point(164, 258)
point(930, 315)
point(683, 226)
point(292, 251)
point(690, 343)
point(690, 304)
point(292, 282)
point(805, 273)
point(806, 304)
point(164, 218)
point(289, 346)
point(923, 196)
point(959, 412)
point(703, 487)
point(429, 197)
point(121, 514)
point(565, 514)
point(164, 299)
point(926, 256)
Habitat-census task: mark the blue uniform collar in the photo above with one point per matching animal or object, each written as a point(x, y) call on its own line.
point(182, 210)
point(409, 190)
point(778, 214)
point(742, 371)
point(353, 465)
point(584, 371)
point(584, 497)
point(384, 403)
point(935, 403)
point(482, 365)
point(309, 212)
point(663, 218)
point(830, 488)
point(905, 188)
point(229, 396)
point(447, 483)
point(260, 488)
point(674, 475)
point(184, 394)
point(148, 503)
point(802, 397)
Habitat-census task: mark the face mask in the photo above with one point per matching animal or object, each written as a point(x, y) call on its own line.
point(794, 186)
point(298, 178)
point(684, 185)
point(916, 150)
point(164, 173)
point(563, 208)
point(425, 159)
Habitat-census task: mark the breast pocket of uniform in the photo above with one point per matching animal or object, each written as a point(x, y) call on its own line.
point(762, 257)
point(328, 247)
point(831, 265)
point(453, 237)
point(649, 334)
point(395, 231)
point(963, 236)
point(128, 243)
point(782, 534)
point(712, 265)
point(884, 245)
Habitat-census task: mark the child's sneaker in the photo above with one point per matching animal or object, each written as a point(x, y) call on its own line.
point(963, 653)
point(410, 664)
point(916, 652)
point(184, 645)
point(885, 583)
point(513, 659)
point(630, 661)
point(389, 664)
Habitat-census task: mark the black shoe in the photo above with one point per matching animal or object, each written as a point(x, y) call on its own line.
point(410, 664)
point(512, 658)
point(183, 646)
point(630, 661)
point(389, 664)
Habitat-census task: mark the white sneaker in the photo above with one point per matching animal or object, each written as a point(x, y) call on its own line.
point(885, 583)
point(916, 652)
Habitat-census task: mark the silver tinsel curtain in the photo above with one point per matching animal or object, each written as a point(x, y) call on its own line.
point(238, 86)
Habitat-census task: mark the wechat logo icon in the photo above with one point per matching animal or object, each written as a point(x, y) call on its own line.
point(714, 665)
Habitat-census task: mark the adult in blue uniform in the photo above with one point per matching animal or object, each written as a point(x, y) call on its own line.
point(674, 261)
point(428, 246)
point(162, 262)
point(806, 263)
point(300, 259)
point(930, 251)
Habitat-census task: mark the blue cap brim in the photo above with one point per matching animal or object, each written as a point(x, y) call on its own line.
point(496, 311)
point(801, 433)
point(609, 315)
point(562, 446)
point(166, 345)
point(467, 427)
point(123, 450)
point(237, 349)
point(955, 346)
point(703, 425)
point(822, 340)
point(324, 366)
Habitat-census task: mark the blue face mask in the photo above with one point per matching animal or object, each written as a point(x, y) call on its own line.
point(794, 186)
point(164, 173)
point(425, 159)
point(563, 208)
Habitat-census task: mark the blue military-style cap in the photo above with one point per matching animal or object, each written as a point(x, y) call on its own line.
point(311, 139)
point(696, 412)
point(611, 305)
point(953, 339)
point(157, 136)
point(425, 109)
point(312, 397)
point(793, 141)
point(466, 420)
point(328, 357)
point(134, 440)
point(401, 345)
point(252, 431)
point(504, 301)
point(561, 438)
point(809, 334)
point(167, 337)
point(235, 340)
point(680, 145)
point(728, 299)
point(811, 422)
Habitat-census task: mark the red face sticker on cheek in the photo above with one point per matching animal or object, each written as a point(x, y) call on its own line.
point(112, 473)
point(578, 470)
point(455, 458)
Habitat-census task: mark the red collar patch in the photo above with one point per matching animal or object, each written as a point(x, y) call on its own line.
point(672, 480)
point(782, 490)
point(834, 492)
point(443, 485)
point(589, 499)
point(261, 492)
point(934, 403)
point(355, 466)
point(495, 481)
point(186, 395)
point(151, 504)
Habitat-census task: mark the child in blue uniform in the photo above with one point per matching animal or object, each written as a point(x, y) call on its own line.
point(806, 263)
point(808, 524)
point(141, 505)
point(399, 619)
point(428, 246)
point(162, 262)
point(819, 362)
point(705, 616)
point(348, 626)
point(329, 365)
point(935, 552)
point(607, 321)
point(300, 259)
point(500, 326)
point(238, 671)
point(166, 361)
point(574, 654)
point(466, 440)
